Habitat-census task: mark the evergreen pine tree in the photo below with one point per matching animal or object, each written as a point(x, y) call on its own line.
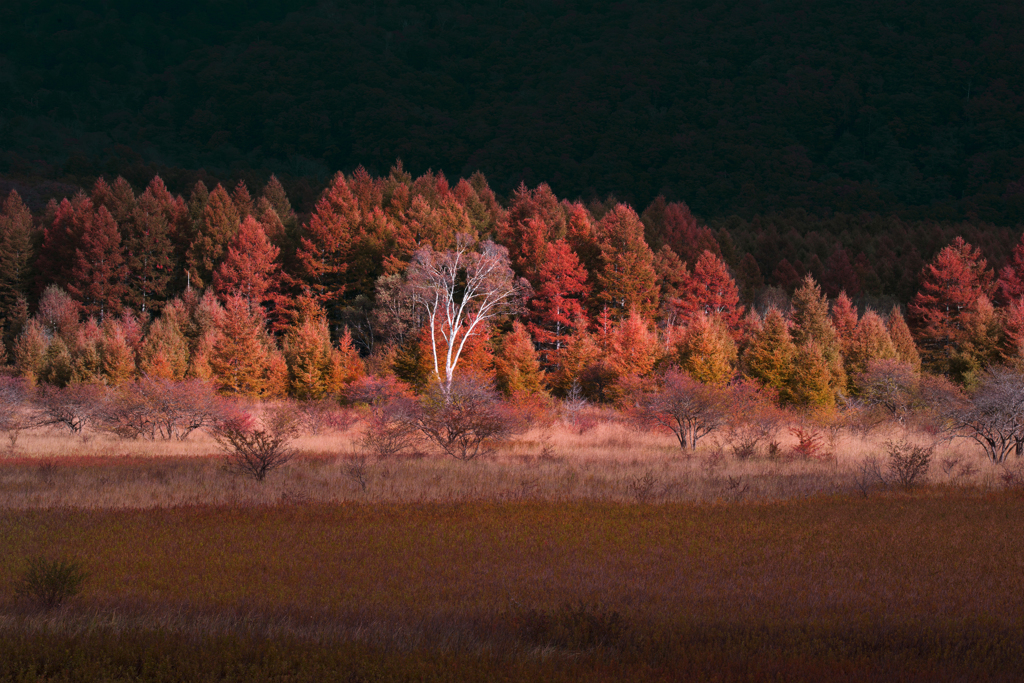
point(706, 351)
point(116, 353)
point(871, 341)
point(844, 320)
point(811, 322)
point(165, 352)
point(950, 288)
point(812, 385)
point(97, 275)
point(902, 340)
point(770, 356)
point(326, 244)
point(15, 263)
point(556, 308)
point(250, 270)
point(516, 364)
point(626, 281)
point(241, 357)
point(214, 232)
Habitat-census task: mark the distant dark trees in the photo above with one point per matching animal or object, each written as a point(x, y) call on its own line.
point(706, 105)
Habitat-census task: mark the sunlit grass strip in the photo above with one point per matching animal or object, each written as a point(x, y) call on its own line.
point(606, 463)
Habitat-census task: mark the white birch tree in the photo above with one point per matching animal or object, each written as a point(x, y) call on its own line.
point(460, 291)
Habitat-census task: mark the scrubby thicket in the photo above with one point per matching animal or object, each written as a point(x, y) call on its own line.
point(135, 311)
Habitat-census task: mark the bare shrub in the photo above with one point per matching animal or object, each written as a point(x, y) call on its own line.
point(255, 447)
point(391, 428)
point(892, 389)
point(154, 408)
point(51, 583)
point(994, 416)
point(642, 488)
point(889, 387)
point(355, 470)
point(465, 418)
point(324, 416)
point(74, 407)
point(907, 463)
point(955, 468)
point(577, 411)
point(1013, 477)
point(687, 408)
point(575, 625)
point(754, 422)
point(870, 475)
point(13, 415)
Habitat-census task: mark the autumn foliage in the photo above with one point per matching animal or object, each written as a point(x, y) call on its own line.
point(426, 281)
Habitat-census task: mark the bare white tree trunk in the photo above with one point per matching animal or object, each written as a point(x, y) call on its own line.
point(460, 291)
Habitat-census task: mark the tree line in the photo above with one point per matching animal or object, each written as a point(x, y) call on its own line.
point(423, 280)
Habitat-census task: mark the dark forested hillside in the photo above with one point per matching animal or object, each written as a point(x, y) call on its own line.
point(735, 106)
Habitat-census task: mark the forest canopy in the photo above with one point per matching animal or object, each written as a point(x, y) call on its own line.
point(735, 107)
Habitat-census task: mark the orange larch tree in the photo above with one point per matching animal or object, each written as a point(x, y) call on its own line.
point(326, 244)
point(710, 291)
point(626, 281)
point(556, 308)
point(251, 269)
point(97, 276)
point(950, 288)
point(213, 232)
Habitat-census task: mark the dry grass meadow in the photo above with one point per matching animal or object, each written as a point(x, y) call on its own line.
point(604, 555)
point(612, 461)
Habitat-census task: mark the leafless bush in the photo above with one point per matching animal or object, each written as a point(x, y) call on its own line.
point(13, 414)
point(391, 428)
point(870, 475)
point(810, 444)
point(74, 407)
point(684, 406)
point(324, 416)
point(152, 408)
point(466, 419)
point(891, 389)
point(754, 422)
point(994, 416)
point(642, 488)
point(907, 463)
point(577, 411)
point(1013, 477)
point(355, 470)
point(255, 447)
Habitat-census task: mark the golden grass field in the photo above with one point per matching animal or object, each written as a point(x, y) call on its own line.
point(610, 462)
point(541, 562)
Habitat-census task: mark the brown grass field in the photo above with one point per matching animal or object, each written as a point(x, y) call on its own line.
point(549, 560)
